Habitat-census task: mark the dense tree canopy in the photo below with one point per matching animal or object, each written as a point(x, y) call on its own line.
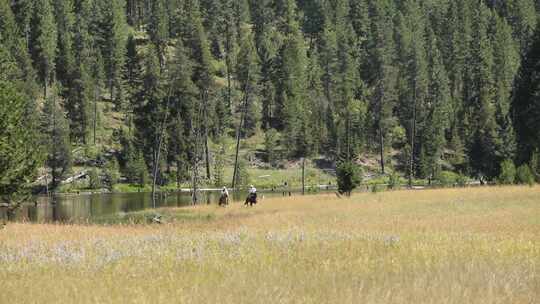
point(420, 86)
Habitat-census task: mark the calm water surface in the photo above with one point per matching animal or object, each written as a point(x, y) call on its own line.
point(84, 208)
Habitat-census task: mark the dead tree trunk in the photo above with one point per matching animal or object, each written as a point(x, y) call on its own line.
point(206, 149)
point(195, 168)
point(413, 134)
point(303, 176)
point(381, 147)
point(239, 130)
point(157, 153)
point(95, 112)
point(228, 64)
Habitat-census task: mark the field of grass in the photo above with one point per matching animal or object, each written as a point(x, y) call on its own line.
point(476, 245)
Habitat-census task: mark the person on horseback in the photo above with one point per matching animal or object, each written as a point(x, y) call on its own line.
point(252, 196)
point(224, 198)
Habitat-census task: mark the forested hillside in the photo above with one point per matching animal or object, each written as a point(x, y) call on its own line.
point(155, 89)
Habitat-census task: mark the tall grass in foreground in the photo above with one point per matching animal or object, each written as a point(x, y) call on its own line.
point(477, 245)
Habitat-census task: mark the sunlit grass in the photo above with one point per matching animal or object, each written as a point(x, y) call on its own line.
point(477, 245)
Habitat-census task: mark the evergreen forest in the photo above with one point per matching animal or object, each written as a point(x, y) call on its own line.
point(155, 91)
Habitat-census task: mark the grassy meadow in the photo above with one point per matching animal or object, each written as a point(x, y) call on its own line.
point(476, 245)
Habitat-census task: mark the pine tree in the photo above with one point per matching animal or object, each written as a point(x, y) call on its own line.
point(328, 56)
point(219, 167)
point(113, 39)
point(526, 105)
point(16, 48)
point(65, 56)
point(271, 140)
point(149, 109)
point(230, 46)
point(248, 75)
point(82, 92)
point(23, 11)
point(292, 84)
point(313, 21)
point(413, 82)
point(20, 157)
point(43, 42)
point(347, 80)
point(268, 45)
point(184, 96)
point(458, 39)
point(158, 28)
point(197, 42)
point(132, 77)
point(10, 72)
point(136, 169)
point(438, 107)
point(506, 64)
point(316, 103)
point(384, 75)
point(55, 132)
point(522, 17)
point(483, 145)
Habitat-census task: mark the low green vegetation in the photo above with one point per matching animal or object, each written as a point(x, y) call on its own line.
point(524, 175)
point(158, 216)
point(349, 176)
point(508, 173)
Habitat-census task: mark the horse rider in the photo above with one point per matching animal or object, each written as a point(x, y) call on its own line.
point(225, 192)
point(224, 199)
point(252, 191)
point(252, 196)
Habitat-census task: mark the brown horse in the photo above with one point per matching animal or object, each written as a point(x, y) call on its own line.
point(251, 199)
point(223, 200)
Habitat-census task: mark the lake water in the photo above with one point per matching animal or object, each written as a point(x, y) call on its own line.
point(83, 208)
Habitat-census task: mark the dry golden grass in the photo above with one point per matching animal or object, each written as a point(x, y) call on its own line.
point(478, 245)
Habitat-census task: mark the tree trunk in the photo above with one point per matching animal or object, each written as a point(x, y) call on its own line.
point(235, 170)
point(95, 112)
point(228, 64)
point(206, 149)
point(413, 134)
point(348, 135)
point(303, 176)
point(207, 157)
point(157, 153)
point(177, 174)
point(111, 90)
point(54, 135)
point(195, 180)
point(381, 147)
point(238, 131)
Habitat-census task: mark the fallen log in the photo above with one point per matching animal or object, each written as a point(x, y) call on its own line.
point(75, 177)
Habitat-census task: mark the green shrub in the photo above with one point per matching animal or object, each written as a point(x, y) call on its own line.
point(95, 182)
point(508, 172)
point(271, 138)
point(219, 168)
point(535, 164)
point(349, 176)
point(394, 181)
point(462, 180)
point(524, 175)
point(447, 178)
point(136, 170)
point(112, 175)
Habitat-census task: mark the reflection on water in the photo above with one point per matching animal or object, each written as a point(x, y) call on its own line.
point(82, 208)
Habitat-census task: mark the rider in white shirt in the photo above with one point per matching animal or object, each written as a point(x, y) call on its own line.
point(252, 190)
point(225, 192)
